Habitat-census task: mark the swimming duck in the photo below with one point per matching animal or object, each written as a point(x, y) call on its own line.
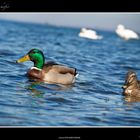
point(126, 33)
point(132, 85)
point(90, 34)
point(50, 72)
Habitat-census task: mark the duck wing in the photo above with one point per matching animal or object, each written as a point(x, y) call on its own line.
point(59, 68)
point(64, 69)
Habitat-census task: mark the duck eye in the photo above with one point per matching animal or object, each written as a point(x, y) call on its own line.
point(132, 76)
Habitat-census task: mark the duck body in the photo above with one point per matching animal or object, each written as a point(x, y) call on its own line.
point(126, 33)
point(50, 72)
point(132, 85)
point(53, 73)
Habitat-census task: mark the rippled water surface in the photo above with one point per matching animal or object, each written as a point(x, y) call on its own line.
point(94, 100)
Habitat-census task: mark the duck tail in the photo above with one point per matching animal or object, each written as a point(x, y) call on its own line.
point(76, 73)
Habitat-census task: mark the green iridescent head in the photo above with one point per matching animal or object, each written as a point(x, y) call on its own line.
point(35, 56)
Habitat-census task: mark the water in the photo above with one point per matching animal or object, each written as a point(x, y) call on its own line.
point(94, 100)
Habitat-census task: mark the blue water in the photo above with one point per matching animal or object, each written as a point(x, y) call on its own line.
point(94, 100)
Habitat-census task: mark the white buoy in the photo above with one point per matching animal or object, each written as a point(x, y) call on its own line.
point(126, 33)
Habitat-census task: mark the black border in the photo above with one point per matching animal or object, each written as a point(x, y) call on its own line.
point(71, 133)
point(68, 133)
point(70, 6)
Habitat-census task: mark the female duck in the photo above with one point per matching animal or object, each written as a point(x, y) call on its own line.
point(132, 85)
point(50, 72)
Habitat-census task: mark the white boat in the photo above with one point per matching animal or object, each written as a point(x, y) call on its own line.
point(87, 33)
point(126, 33)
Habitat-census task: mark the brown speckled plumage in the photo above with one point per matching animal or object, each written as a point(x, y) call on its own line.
point(131, 86)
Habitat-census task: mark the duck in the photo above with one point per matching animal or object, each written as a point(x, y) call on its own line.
point(131, 87)
point(88, 33)
point(126, 34)
point(50, 72)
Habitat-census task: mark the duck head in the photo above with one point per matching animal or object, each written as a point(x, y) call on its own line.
point(34, 55)
point(130, 79)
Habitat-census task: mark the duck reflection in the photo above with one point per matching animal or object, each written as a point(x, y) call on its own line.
point(38, 88)
point(32, 88)
point(132, 99)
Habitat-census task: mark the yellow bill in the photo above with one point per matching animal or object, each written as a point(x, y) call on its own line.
point(23, 59)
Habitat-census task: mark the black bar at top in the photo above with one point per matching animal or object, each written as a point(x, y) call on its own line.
point(70, 6)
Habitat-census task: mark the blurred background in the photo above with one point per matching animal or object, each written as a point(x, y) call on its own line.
point(106, 21)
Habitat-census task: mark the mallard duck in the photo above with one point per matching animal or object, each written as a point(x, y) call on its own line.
point(50, 72)
point(132, 85)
